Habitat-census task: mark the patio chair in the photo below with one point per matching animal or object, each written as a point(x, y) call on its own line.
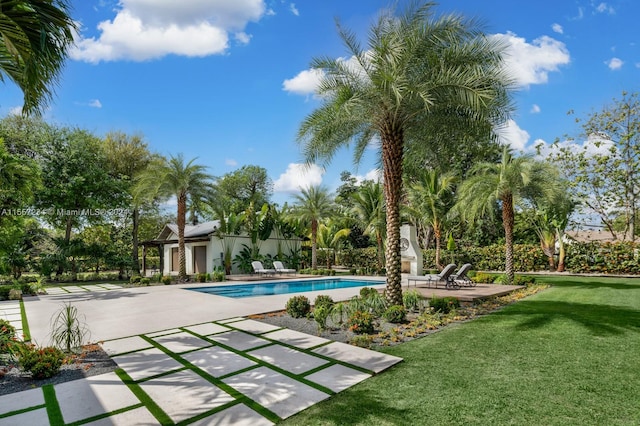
point(461, 278)
point(443, 277)
point(259, 269)
point(279, 267)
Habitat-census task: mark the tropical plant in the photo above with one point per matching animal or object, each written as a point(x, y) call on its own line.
point(415, 71)
point(506, 182)
point(68, 331)
point(430, 199)
point(228, 232)
point(368, 207)
point(173, 177)
point(312, 205)
point(330, 237)
point(35, 36)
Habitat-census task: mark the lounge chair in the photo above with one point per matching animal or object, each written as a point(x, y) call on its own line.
point(461, 278)
point(443, 277)
point(279, 267)
point(259, 269)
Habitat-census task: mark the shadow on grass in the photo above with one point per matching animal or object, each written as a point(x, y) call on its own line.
point(599, 319)
point(354, 407)
point(594, 283)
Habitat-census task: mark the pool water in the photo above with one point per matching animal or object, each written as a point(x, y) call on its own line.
point(284, 287)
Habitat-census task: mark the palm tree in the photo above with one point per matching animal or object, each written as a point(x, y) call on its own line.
point(368, 206)
point(330, 236)
point(506, 182)
point(415, 70)
point(430, 199)
point(35, 36)
point(312, 205)
point(165, 178)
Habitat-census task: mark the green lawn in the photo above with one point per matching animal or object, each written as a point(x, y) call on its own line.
point(567, 356)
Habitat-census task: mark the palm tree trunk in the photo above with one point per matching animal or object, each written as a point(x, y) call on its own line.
point(561, 253)
point(182, 213)
point(437, 235)
point(380, 250)
point(392, 144)
point(134, 242)
point(314, 244)
point(508, 220)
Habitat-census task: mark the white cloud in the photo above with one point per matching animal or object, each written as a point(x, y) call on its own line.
point(605, 8)
point(230, 162)
point(511, 134)
point(557, 28)
point(95, 103)
point(243, 38)
point(531, 63)
point(150, 29)
point(294, 9)
point(298, 176)
point(614, 63)
point(535, 109)
point(305, 83)
point(373, 174)
point(15, 110)
point(594, 145)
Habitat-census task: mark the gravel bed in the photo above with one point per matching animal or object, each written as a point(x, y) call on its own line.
point(91, 362)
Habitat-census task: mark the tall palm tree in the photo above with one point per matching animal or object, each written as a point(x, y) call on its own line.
point(312, 205)
point(368, 206)
point(430, 199)
point(172, 177)
point(415, 69)
point(505, 183)
point(35, 36)
point(330, 237)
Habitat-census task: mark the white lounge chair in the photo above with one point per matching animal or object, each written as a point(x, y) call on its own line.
point(279, 267)
point(443, 277)
point(259, 269)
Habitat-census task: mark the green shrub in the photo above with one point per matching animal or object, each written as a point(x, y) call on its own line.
point(201, 278)
point(145, 281)
point(323, 300)
point(298, 306)
point(395, 314)
point(523, 280)
point(4, 291)
point(320, 314)
point(483, 278)
point(444, 304)
point(367, 291)
point(166, 280)
point(42, 363)
point(362, 340)
point(135, 279)
point(218, 276)
point(360, 322)
point(7, 334)
point(412, 299)
point(15, 294)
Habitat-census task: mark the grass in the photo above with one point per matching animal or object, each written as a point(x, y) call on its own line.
point(566, 356)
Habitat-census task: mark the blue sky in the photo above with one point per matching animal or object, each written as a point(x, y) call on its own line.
point(228, 81)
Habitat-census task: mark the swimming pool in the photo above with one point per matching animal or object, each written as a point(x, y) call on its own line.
point(284, 287)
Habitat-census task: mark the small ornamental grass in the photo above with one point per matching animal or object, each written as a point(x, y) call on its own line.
point(68, 331)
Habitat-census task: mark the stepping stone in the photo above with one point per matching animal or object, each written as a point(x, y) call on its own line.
point(146, 363)
point(255, 327)
point(230, 320)
point(218, 361)
point(185, 394)
point(361, 357)
point(207, 329)
point(276, 392)
point(80, 399)
point(239, 340)
point(74, 289)
point(111, 286)
point(92, 288)
point(11, 316)
point(164, 332)
point(238, 415)
point(128, 344)
point(288, 359)
point(182, 342)
point(21, 400)
point(55, 291)
point(296, 338)
point(29, 418)
point(337, 377)
point(137, 417)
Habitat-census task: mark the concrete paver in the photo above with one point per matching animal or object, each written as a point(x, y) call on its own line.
point(181, 342)
point(337, 377)
point(365, 358)
point(288, 359)
point(128, 344)
point(279, 393)
point(146, 363)
point(81, 399)
point(21, 400)
point(28, 418)
point(185, 394)
point(238, 415)
point(239, 340)
point(136, 417)
point(255, 327)
point(218, 361)
point(207, 329)
point(296, 338)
